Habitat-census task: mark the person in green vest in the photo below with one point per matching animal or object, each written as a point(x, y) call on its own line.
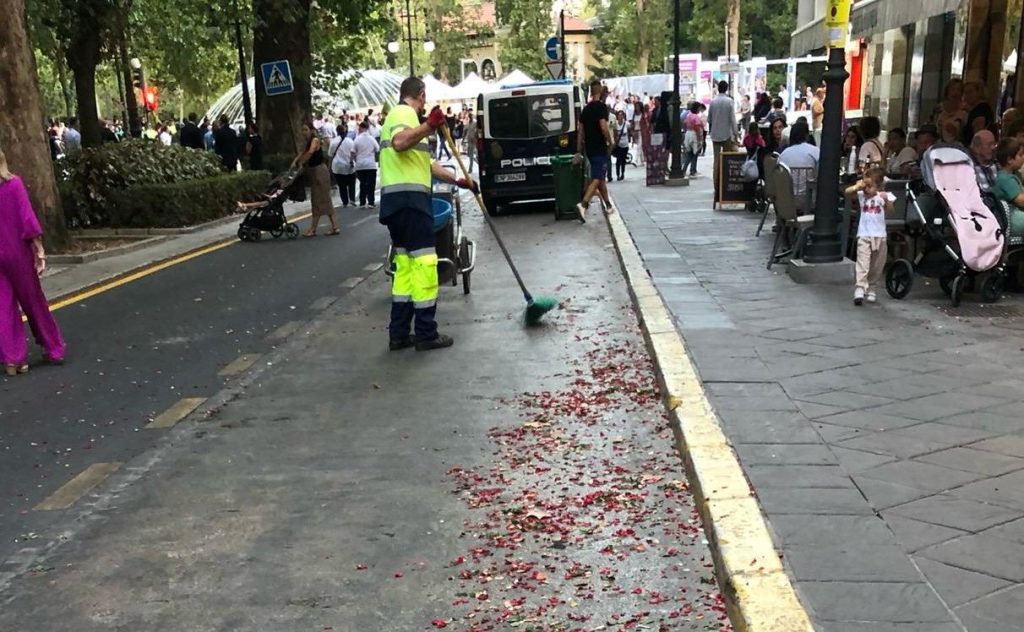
point(406, 169)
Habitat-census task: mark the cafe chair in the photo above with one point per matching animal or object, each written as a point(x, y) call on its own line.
point(771, 161)
point(793, 225)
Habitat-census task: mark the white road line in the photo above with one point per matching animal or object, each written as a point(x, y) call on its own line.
point(322, 303)
point(284, 330)
point(351, 282)
point(373, 267)
point(362, 221)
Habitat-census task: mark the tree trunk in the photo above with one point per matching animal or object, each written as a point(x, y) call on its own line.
point(65, 87)
point(643, 48)
point(22, 131)
point(732, 22)
point(83, 55)
point(282, 33)
point(131, 106)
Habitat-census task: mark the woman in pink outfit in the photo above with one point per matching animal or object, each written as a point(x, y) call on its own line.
point(22, 260)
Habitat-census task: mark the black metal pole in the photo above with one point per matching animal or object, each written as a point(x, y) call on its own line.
point(246, 100)
point(676, 169)
point(825, 245)
point(561, 35)
point(408, 29)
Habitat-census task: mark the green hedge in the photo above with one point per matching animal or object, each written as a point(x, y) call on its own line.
point(90, 177)
point(277, 163)
point(184, 203)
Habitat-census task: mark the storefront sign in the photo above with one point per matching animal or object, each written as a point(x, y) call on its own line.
point(837, 19)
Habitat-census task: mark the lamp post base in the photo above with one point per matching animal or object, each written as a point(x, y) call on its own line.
point(830, 273)
point(677, 180)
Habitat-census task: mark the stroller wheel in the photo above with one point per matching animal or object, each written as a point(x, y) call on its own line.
point(899, 279)
point(277, 232)
point(946, 283)
point(992, 287)
point(956, 290)
point(291, 231)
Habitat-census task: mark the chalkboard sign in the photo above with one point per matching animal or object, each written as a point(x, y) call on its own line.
point(731, 187)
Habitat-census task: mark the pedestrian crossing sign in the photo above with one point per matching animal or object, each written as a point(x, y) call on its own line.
point(277, 77)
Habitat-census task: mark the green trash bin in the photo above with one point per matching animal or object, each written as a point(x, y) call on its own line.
point(569, 181)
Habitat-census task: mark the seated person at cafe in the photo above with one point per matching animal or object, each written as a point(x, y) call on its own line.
point(1008, 187)
point(898, 153)
point(982, 151)
point(778, 110)
point(800, 154)
point(871, 152)
point(926, 136)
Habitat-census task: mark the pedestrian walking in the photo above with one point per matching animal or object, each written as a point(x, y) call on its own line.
point(72, 137)
point(471, 133)
point(22, 261)
point(405, 208)
point(254, 147)
point(875, 202)
point(623, 137)
point(190, 136)
point(693, 138)
point(594, 140)
point(366, 151)
point(225, 143)
point(721, 127)
point(319, 180)
point(342, 153)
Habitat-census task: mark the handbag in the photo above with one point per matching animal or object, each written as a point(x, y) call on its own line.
point(749, 171)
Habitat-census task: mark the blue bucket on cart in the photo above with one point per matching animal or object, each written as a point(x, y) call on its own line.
point(442, 213)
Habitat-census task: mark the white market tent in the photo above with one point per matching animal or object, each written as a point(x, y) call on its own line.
point(652, 85)
point(515, 78)
point(471, 87)
point(437, 90)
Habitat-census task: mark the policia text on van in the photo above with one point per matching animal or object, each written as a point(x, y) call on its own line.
point(405, 208)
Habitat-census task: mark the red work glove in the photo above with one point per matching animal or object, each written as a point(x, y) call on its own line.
point(436, 117)
point(463, 183)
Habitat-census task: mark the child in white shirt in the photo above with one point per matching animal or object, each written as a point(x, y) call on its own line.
point(871, 233)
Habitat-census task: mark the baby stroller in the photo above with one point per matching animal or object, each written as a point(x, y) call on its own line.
point(268, 214)
point(960, 233)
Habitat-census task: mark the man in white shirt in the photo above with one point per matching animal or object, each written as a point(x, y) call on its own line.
point(72, 137)
point(366, 150)
point(342, 155)
point(722, 126)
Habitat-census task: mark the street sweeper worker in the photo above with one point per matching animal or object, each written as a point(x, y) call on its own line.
point(405, 208)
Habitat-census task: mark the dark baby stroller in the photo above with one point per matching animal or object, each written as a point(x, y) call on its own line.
point(267, 215)
point(960, 234)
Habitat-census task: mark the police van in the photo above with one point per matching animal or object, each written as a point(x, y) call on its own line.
point(519, 130)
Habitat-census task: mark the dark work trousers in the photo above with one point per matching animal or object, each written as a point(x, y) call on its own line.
point(346, 187)
point(414, 287)
point(367, 183)
point(621, 155)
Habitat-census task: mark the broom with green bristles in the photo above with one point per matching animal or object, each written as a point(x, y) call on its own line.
point(537, 306)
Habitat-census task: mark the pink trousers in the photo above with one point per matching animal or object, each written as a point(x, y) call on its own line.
point(19, 286)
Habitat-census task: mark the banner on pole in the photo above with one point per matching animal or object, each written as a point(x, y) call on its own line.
point(837, 19)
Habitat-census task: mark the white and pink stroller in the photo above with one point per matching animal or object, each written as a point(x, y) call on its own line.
point(963, 234)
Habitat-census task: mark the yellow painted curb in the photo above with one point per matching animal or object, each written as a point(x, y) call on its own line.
point(181, 409)
point(759, 594)
point(77, 487)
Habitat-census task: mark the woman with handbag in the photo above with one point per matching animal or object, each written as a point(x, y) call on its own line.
point(343, 166)
point(22, 261)
point(623, 135)
point(312, 158)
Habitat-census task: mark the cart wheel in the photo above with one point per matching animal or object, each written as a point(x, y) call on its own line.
point(491, 207)
point(277, 232)
point(255, 234)
point(291, 231)
point(243, 233)
point(956, 290)
point(899, 279)
point(992, 287)
point(946, 283)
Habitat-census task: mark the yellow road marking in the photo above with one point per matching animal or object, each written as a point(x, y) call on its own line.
point(239, 365)
point(285, 330)
point(759, 594)
point(183, 408)
point(148, 270)
point(78, 486)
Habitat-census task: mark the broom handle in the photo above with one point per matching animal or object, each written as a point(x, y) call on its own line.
point(483, 209)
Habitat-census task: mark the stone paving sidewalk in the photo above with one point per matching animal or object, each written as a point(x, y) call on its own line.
point(885, 443)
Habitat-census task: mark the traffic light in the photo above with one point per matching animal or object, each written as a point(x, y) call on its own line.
point(138, 78)
point(149, 98)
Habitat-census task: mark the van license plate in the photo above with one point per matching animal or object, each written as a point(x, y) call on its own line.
point(510, 177)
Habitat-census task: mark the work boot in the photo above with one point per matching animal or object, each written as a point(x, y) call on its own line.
point(397, 344)
point(440, 342)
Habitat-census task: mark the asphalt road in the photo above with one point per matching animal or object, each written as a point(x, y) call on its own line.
point(137, 349)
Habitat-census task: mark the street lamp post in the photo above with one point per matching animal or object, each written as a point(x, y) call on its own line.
point(246, 100)
point(676, 169)
point(428, 44)
point(825, 245)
